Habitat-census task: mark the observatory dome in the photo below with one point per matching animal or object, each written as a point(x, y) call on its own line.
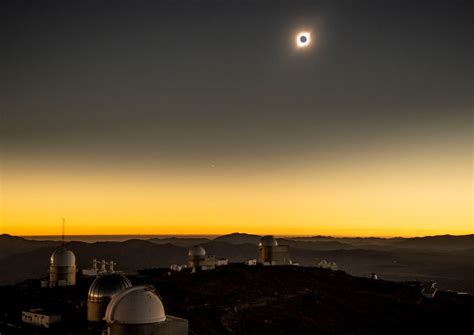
point(268, 241)
point(135, 305)
point(197, 250)
point(63, 257)
point(106, 285)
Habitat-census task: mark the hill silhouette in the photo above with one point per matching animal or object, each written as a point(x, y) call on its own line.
point(11, 245)
point(239, 238)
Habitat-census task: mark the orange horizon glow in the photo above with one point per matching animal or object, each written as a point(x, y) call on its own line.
point(390, 195)
point(211, 236)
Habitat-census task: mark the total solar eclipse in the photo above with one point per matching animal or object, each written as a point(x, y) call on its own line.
point(303, 39)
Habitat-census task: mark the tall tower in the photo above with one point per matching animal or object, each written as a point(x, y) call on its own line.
point(64, 232)
point(62, 269)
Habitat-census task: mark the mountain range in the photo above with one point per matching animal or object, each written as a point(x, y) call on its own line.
point(445, 259)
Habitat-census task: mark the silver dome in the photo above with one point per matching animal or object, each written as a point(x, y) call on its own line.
point(268, 241)
point(106, 285)
point(63, 257)
point(197, 250)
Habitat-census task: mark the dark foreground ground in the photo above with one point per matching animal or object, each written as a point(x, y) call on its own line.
point(266, 300)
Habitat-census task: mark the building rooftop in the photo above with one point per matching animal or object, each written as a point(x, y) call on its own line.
point(135, 305)
point(106, 285)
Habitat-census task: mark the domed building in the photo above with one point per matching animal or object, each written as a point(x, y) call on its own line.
point(270, 253)
point(199, 260)
point(62, 270)
point(268, 241)
point(140, 311)
point(101, 292)
point(197, 251)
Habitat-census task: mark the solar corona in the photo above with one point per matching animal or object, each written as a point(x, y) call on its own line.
point(303, 39)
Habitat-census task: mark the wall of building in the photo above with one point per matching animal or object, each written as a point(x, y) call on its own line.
point(274, 255)
point(281, 255)
point(265, 254)
point(172, 326)
point(62, 275)
point(202, 262)
point(96, 310)
point(195, 261)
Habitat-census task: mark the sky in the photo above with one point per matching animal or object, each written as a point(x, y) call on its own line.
point(203, 117)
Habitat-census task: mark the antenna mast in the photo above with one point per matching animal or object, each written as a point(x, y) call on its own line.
point(64, 227)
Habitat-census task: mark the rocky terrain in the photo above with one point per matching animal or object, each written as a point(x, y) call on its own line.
point(238, 299)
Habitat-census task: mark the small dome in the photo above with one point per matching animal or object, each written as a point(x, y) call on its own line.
point(197, 250)
point(135, 305)
point(63, 257)
point(268, 241)
point(106, 285)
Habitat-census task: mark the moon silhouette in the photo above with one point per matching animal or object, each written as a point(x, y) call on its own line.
point(303, 39)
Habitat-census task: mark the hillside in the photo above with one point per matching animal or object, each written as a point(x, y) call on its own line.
point(238, 299)
point(11, 245)
point(297, 300)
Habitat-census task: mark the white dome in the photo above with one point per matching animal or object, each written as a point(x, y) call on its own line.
point(63, 257)
point(268, 241)
point(197, 250)
point(135, 305)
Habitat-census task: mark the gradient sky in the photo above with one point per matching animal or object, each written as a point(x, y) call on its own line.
point(201, 117)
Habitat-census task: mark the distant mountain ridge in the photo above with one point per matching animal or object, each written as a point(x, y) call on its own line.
point(11, 245)
point(130, 256)
point(239, 238)
point(180, 241)
point(439, 242)
point(442, 258)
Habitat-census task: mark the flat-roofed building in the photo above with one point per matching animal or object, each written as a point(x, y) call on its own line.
point(250, 262)
point(40, 317)
point(222, 261)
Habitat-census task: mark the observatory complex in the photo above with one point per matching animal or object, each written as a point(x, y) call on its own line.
point(108, 304)
point(270, 253)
